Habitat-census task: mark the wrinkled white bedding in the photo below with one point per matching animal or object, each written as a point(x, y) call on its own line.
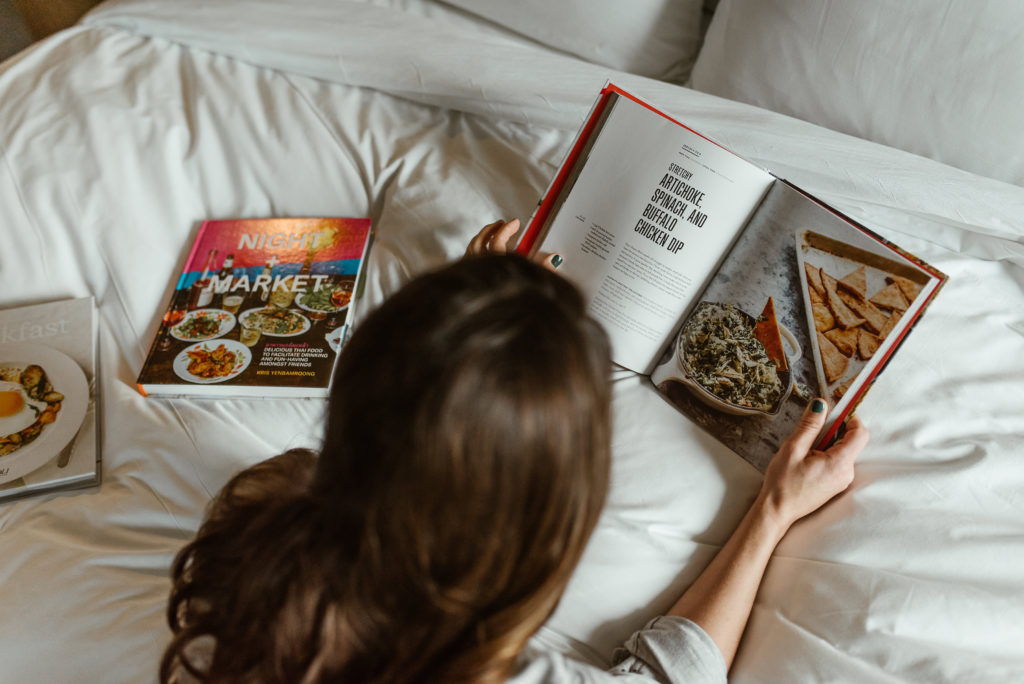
point(119, 136)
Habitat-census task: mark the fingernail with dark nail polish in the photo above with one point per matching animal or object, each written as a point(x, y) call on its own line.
point(817, 406)
point(556, 261)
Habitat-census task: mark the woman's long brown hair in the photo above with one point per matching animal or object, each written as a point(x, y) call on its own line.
point(464, 466)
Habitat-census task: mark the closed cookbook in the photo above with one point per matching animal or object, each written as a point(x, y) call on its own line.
point(261, 309)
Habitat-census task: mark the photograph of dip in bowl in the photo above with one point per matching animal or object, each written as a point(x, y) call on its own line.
point(729, 364)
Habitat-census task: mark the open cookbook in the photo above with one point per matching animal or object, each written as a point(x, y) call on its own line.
point(739, 294)
point(260, 309)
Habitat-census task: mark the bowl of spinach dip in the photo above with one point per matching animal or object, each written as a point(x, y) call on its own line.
point(726, 366)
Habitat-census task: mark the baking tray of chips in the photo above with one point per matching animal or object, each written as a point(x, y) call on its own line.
point(853, 298)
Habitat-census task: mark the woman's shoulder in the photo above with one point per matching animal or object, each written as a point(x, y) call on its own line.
point(672, 650)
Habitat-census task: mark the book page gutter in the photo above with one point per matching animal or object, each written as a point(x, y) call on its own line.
point(646, 223)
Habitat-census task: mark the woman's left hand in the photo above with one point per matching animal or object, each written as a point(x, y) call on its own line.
point(494, 239)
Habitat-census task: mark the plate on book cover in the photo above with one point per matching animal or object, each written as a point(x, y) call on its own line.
point(329, 299)
point(335, 337)
point(203, 324)
point(44, 396)
point(275, 322)
point(205, 363)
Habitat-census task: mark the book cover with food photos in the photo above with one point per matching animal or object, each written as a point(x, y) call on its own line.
point(806, 304)
point(260, 309)
point(49, 412)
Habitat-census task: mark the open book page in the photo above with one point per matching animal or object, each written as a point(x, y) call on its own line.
point(805, 305)
point(645, 223)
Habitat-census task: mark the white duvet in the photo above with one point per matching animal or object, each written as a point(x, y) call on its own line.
point(117, 137)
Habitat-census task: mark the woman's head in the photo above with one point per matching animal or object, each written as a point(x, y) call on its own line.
point(464, 465)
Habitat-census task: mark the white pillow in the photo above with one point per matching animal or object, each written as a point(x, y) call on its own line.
point(941, 79)
point(655, 38)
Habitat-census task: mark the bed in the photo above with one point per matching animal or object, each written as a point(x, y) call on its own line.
point(118, 136)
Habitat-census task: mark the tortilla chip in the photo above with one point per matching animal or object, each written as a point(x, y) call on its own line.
point(844, 317)
point(890, 297)
point(766, 331)
point(867, 344)
point(839, 391)
point(856, 281)
point(813, 274)
point(823, 318)
point(873, 318)
point(845, 340)
point(908, 287)
point(889, 325)
point(833, 363)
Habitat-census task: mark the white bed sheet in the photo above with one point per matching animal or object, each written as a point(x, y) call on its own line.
point(119, 136)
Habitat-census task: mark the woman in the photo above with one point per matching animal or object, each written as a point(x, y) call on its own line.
point(464, 466)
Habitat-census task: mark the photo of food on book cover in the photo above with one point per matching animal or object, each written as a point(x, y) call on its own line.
point(261, 308)
point(48, 425)
point(740, 295)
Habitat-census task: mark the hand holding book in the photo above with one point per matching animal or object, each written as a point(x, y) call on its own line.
point(495, 238)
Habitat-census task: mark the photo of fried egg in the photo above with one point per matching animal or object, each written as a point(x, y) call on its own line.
point(17, 410)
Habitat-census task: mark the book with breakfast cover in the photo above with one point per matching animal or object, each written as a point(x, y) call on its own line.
point(49, 413)
point(739, 294)
point(260, 309)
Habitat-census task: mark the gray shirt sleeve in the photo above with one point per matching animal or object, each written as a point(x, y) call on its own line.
point(668, 650)
point(672, 650)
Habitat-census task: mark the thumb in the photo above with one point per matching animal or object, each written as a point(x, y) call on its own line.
point(807, 428)
point(549, 261)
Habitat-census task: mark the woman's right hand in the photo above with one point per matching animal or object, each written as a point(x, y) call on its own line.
point(800, 480)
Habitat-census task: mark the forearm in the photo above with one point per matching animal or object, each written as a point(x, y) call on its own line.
point(798, 480)
point(721, 598)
